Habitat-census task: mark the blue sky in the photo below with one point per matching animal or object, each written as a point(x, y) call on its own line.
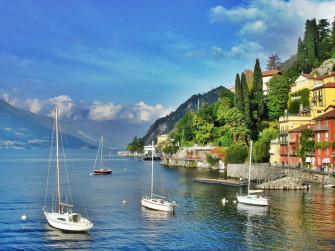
point(136, 60)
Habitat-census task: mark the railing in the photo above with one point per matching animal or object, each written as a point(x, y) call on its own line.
point(320, 127)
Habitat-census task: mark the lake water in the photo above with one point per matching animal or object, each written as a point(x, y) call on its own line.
point(296, 220)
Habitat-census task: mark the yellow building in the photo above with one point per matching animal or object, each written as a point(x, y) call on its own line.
point(305, 81)
point(322, 95)
point(162, 138)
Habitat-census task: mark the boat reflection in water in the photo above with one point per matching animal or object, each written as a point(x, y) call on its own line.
point(154, 215)
point(58, 239)
point(250, 210)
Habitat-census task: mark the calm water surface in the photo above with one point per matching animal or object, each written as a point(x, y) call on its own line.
point(296, 220)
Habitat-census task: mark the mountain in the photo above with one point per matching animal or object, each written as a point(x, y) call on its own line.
point(23, 129)
point(166, 124)
point(288, 63)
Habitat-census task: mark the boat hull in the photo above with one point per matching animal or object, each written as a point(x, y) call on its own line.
point(158, 204)
point(67, 221)
point(102, 171)
point(255, 200)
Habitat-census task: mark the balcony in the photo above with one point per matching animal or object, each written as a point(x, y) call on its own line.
point(310, 153)
point(313, 99)
point(320, 128)
point(320, 98)
point(283, 132)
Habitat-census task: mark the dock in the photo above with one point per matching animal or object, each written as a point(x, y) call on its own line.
point(235, 183)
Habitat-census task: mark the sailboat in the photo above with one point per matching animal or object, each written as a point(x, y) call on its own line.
point(154, 201)
point(63, 217)
point(101, 170)
point(252, 198)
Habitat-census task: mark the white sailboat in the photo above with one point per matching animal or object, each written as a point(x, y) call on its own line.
point(63, 217)
point(154, 201)
point(101, 170)
point(252, 198)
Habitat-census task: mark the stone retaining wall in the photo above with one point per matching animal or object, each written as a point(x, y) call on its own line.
point(258, 171)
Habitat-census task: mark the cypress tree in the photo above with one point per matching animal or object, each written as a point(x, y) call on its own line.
point(246, 100)
point(312, 43)
point(238, 98)
point(323, 29)
point(257, 91)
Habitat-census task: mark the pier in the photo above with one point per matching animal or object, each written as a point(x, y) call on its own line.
point(221, 182)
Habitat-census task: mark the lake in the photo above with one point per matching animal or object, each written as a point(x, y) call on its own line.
point(298, 220)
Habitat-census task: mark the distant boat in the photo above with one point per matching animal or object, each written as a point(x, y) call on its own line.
point(156, 202)
point(66, 221)
point(252, 198)
point(101, 170)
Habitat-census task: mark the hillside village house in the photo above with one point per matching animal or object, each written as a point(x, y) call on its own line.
point(266, 76)
point(321, 98)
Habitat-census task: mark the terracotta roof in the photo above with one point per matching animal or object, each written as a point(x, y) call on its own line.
point(330, 114)
point(328, 85)
point(271, 72)
point(331, 107)
point(300, 128)
point(310, 76)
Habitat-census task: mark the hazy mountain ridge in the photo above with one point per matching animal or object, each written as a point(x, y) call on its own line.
point(166, 124)
point(23, 129)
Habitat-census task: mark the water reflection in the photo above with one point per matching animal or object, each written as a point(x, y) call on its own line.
point(252, 210)
point(56, 238)
point(155, 216)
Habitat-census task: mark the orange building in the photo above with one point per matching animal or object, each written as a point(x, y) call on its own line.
point(324, 131)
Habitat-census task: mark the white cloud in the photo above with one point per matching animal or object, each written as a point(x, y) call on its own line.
point(274, 25)
point(101, 112)
point(235, 15)
point(97, 111)
point(66, 107)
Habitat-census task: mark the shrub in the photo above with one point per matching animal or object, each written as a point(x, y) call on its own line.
point(212, 160)
point(236, 153)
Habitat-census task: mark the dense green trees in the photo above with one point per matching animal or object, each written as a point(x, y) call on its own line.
point(277, 97)
point(317, 46)
point(137, 145)
point(261, 148)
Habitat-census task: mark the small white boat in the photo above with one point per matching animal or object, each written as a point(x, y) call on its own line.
point(154, 201)
point(58, 218)
point(251, 198)
point(101, 170)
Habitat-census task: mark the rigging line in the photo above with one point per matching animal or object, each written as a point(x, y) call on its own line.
point(49, 164)
point(165, 191)
point(62, 135)
point(76, 175)
point(97, 155)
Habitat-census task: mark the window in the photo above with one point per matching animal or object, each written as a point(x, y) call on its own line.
point(319, 161)
point(319, 151)
point(327, 150)
point(319, 137)
point(326, 135)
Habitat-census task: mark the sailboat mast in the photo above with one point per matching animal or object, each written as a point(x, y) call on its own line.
point(249, 166)
point(57, 158)
point(152, 169)
point(102, 142)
